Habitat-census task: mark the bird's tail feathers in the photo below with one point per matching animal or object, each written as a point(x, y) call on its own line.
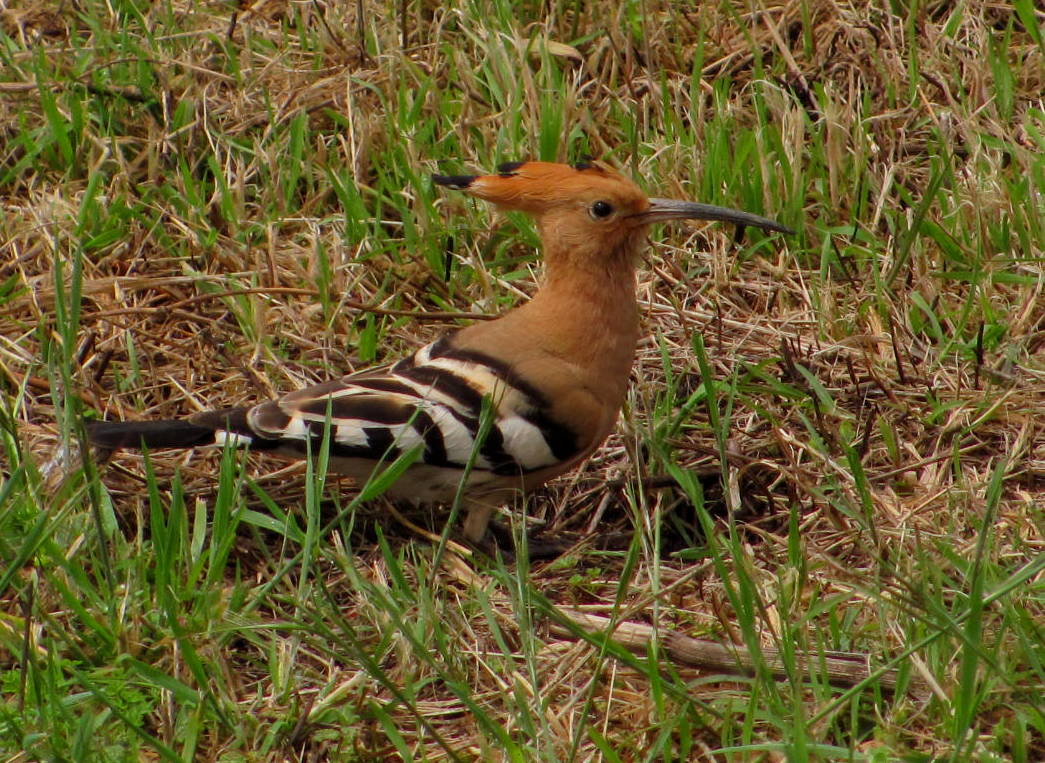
point(205, 428)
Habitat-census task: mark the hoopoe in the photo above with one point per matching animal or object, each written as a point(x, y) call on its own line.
point(554, 370)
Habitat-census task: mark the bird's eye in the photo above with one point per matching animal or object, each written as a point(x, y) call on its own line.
point(600, 210)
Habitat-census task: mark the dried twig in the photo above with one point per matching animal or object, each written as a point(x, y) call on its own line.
point(841, 669)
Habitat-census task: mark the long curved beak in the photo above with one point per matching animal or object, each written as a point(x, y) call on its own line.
point(670, 209)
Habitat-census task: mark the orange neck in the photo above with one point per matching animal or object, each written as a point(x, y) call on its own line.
point(580, 329)
point(586, 313)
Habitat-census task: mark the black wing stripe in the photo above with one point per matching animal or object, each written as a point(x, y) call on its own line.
point(435, 447)
point(561, 440)
point(320, 391)
point(444, 349)
point(447, 383)
point(492, 449)
point(381, 442)
point(371, 408)
point(385, 384)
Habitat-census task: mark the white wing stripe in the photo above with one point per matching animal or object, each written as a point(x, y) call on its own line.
point(525, 443)
point(458, 439)
point(428, 391)
point(484, 380)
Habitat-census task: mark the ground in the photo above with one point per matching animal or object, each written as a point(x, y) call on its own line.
point(833, 441)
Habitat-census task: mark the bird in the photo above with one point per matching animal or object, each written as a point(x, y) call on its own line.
point(495, 408)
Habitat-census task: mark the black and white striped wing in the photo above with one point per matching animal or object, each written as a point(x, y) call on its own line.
point(433, 399)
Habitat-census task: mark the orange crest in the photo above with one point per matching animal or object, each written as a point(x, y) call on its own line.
point(535, 187)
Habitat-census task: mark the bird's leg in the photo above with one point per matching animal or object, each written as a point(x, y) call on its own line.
point(493, 537)
point(477, 518)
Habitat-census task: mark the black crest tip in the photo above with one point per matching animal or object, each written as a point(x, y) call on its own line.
point(457, 182)
point(507, 169)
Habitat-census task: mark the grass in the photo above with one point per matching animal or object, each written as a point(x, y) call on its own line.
point(205, 206)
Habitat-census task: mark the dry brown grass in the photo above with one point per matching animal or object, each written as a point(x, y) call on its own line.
point(854, 344)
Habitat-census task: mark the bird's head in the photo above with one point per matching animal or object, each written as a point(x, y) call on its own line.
point(588, 210)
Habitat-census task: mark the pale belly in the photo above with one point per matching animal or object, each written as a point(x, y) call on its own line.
point(431, 484)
